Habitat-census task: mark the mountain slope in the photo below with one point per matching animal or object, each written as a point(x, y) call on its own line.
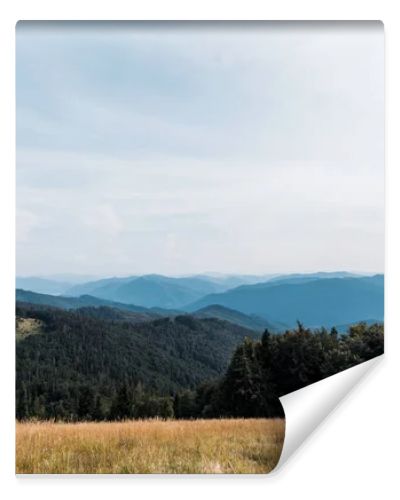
point(297, 278)
point(320, 302)
point(227, 281)
point(86, 301)
point(164, 355)
point(252, 322)
point(150, 290)
point(42, 285)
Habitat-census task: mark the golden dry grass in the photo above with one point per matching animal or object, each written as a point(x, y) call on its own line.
point(149, 446)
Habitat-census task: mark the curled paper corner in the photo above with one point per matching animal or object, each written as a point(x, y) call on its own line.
point(307, 408)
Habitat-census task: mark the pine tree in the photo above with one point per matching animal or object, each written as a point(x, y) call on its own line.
point(122, 405)
point(22, 403)
point(241, 390)
point(86, 403)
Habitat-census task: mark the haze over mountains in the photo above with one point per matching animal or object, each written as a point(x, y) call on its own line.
point(55, 284)
point(275, 301)
point(148, 290)
point(113, 310)
point(42, 285)
point(319, 302)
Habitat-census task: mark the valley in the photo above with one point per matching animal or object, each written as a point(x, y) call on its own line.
point(192, 388)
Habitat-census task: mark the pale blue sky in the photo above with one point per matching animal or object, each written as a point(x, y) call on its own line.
point(189, 148)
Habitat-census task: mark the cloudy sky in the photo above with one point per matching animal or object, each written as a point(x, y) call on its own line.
point(193, 148)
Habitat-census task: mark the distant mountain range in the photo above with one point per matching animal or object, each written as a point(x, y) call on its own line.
point(149, 291)
point(42, 285)
point(56, 284)
point(87, 301)
point(319, 299)
point(253, 322)
point(303, 278)
point(154, 290)
point(317, 302)
point(111, 288)
point(71, 302)
point(107, 309)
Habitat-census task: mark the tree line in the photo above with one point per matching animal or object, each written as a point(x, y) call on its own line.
point(263, 370)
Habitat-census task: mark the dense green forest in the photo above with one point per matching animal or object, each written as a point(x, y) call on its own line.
point(67, 360)
point(262, 370)
point(96, 364)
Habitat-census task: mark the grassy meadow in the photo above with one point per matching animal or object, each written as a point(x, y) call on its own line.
point(149, 446)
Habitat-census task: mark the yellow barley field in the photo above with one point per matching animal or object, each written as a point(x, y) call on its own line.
point(149, 446)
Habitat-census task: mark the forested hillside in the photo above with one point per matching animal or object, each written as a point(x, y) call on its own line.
point(260, 371)
point(253, 321)
point(91, 364)
point(84, 355)
point(77, 302)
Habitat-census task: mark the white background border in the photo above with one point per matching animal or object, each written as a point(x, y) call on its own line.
point(355, 452)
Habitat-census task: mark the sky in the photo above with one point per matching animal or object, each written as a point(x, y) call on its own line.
point(181, 148)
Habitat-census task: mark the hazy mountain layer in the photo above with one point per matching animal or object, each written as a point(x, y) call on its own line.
point(150, 290)
point(42, 285)
point(319, 302)
point(252, 322)
point(84, 301)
